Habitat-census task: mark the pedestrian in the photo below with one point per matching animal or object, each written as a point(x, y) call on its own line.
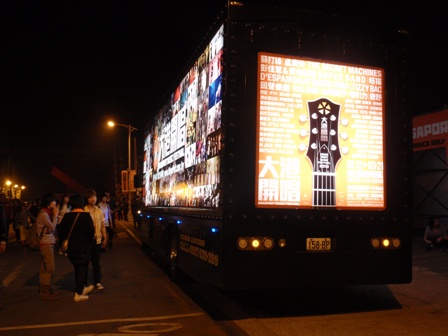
point(35, 208)
point(47, 220)
point(64, 206)
point(114, 209)
point(77, 227)
point(108, 223)
point(435, 237)
point(100, 237)
point(119, 209)
point(135, 206)
point(3, 232)
point(8, 210)
point(17, 208)
point(125, 207)
point(22, 221)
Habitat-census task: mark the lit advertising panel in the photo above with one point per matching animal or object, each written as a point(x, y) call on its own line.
point(320, 134)
point(430, 131)
point(183, 142)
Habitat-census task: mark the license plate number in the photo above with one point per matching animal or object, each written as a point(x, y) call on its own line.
point(318, 244)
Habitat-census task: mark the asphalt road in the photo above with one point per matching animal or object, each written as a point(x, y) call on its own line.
point(139, 299)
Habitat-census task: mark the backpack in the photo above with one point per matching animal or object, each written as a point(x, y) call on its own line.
point(33, 239)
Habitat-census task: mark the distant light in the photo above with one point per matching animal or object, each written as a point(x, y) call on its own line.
point(214, 230)
point(179, 222)
point(110, 124)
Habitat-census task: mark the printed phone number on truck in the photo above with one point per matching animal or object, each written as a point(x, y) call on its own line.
point(200, 253)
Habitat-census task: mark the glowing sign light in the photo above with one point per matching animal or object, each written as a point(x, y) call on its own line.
point(320, 140)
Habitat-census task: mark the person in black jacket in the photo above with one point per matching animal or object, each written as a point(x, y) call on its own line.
point(80, 242)
point(3, 230)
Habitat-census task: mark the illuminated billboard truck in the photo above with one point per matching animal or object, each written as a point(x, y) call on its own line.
point(282, 157)
point(430, 146)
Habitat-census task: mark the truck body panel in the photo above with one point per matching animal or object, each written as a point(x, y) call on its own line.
point(283, 156)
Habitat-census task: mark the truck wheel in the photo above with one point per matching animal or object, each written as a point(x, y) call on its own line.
point(173, 271)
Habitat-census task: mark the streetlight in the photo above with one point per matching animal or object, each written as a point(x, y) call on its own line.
point(130, 130)
point(8, 184)
point(15, 191)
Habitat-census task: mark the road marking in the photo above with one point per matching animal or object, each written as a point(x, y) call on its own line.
point(132, 234)
point(122, 320)
point(11, 276)
point(152, 328)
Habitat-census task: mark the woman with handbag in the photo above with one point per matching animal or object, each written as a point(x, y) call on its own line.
point(76, 229)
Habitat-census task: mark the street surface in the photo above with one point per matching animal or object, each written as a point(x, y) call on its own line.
point(139, 299)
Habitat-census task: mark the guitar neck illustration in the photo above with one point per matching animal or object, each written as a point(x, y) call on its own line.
point(323, 150)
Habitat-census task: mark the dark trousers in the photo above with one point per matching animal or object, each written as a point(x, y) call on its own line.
point(81, 266)
point(95, 260)
point(110, 235)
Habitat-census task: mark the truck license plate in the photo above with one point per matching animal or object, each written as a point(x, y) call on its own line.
point(318, 244)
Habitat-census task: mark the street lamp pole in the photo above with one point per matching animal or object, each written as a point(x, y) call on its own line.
point(130, 130)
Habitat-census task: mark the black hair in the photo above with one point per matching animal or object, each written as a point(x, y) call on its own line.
point(47, 199)
point(76, 201)
point(89, 193)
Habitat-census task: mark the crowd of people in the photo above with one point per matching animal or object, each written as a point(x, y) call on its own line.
point(87, 221)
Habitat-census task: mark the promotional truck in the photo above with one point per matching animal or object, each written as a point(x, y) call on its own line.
point(282, 156)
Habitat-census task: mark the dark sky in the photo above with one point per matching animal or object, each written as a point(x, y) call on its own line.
point(68, 66)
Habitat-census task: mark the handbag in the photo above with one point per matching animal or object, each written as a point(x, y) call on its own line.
point(64, 246)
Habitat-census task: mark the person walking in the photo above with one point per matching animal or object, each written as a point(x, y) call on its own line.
point(100, 238)
point(108, 223)
point(3, 233)
point(47, 220)
point(77, 227)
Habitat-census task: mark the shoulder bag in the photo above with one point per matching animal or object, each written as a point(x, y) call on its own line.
point(64, 246)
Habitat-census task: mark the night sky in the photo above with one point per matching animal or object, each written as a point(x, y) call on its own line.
point(69, 66)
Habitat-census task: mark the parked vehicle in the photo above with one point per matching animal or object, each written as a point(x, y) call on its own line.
point(282, 158)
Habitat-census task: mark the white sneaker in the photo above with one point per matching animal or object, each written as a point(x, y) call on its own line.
point(99, 286)
point(79, 298)
point(87, 290)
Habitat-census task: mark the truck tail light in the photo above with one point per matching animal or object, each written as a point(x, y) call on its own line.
point(385, 243)
point(255, 243)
